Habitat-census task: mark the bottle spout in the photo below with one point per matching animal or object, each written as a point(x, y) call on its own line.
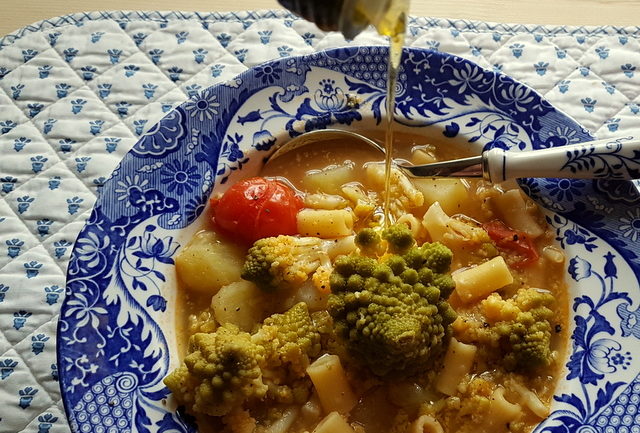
point(350, 17)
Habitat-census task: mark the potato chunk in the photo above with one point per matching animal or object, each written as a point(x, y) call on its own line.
point(329, 179)
point(450, 193)
point(241, 303)
point(208, 262)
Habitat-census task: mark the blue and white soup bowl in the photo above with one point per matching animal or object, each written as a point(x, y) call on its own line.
point(116, 330)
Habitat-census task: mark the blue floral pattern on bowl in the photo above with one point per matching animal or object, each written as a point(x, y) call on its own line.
point(116, 328)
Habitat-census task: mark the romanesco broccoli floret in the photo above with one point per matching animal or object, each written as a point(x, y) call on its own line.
point(284, 261)
point(392, 312)
point(221, 372)
point(517, 330)
point(227, 368)
point(399, 238)
point(368, 240)
point(290, 339)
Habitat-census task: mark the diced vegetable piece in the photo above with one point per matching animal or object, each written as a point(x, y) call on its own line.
point(325, 223)
point(436, 221)
point(256, 208)
point(328, 180)
point(315, 297)
point(241, 303)
point(333, 423)
point(513, 210)
point(450, 193)
point(451, 231)
point(208, 262)
point(423, 155)
point(331, 384)
point(476, 283)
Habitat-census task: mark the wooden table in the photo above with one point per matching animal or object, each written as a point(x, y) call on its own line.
point(18, 13)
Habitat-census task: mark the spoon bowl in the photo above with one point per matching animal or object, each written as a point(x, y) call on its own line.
point(318, 135)
point(615, 158)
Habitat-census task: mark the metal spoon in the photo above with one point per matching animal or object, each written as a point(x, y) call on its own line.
point(615, 158)
point(318, 135)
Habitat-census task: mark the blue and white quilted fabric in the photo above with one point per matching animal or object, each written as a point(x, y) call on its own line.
point(76, 92)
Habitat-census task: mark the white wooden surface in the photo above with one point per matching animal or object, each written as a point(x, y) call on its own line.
point(17, 13)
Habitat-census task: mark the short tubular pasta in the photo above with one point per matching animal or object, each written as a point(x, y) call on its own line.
point(284, 423)
point(324, 223)
point(501, 412)
point(513, 210)
point(452, 232)
point(425, 424)
point(529, 399)
point(457, 363)
point(331, 383)
point(476, 283)
point(435, 221)
point(414, 224)
point(333, 423)
point(330, 179)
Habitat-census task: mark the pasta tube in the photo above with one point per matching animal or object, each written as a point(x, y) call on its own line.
point(478, 282)
point(457, 363)
point(333, 423)
point(325, 223)
point(331, 383)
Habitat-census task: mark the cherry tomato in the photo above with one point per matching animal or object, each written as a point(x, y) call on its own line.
point(257, 208)
point(513, 241)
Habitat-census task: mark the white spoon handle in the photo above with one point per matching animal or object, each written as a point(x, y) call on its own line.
point(616, 158)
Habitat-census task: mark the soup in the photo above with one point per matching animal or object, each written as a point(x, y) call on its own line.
point(300, 313)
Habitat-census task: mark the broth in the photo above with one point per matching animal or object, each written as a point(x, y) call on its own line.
point(382, 404)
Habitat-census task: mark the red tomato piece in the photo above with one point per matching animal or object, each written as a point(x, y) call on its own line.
point(257, 208)
point(513, 241)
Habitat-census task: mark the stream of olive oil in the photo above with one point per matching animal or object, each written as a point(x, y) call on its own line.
point(395, 51)
point(393, 26)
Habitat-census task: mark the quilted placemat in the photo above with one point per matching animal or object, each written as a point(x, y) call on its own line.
point(77, 91)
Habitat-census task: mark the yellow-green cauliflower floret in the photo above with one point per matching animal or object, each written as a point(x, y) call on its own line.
point(288, 261)
point(283, 260)
point(392, 312)
point(227, 368)
point(516, 330)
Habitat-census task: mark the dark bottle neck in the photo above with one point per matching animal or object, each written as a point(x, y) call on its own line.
point(324, 13)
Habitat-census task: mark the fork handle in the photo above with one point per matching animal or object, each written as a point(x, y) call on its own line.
point(615, 158)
